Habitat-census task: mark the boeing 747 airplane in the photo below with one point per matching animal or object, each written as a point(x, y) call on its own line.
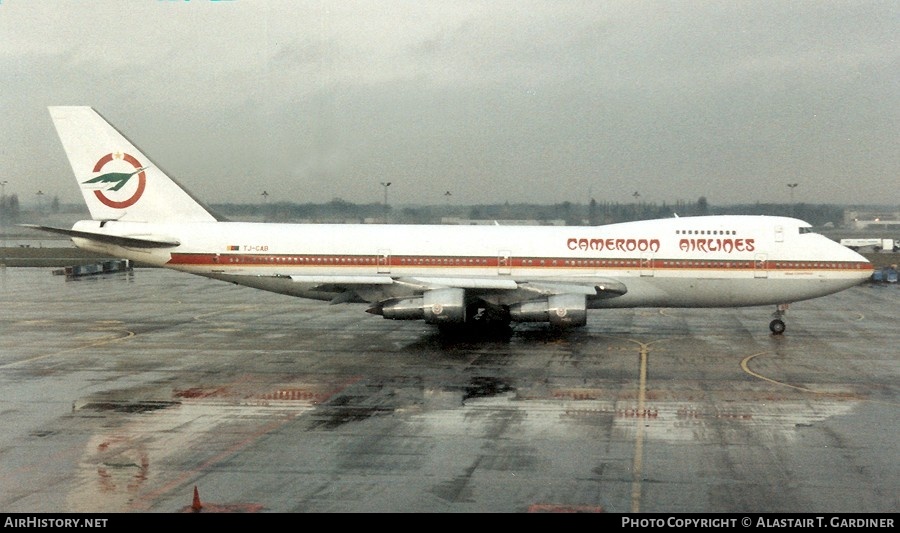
point(448, 275)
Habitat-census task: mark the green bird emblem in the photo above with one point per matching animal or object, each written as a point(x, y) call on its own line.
point(119, 179)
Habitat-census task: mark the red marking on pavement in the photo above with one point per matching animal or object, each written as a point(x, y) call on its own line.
point(297, 394)
point(197, 392)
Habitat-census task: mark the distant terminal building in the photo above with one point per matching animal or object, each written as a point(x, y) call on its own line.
point(872, 220)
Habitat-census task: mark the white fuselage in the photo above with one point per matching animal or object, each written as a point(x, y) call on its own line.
point(720, 261)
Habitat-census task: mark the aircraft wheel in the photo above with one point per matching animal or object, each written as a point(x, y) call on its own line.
point(777, 326)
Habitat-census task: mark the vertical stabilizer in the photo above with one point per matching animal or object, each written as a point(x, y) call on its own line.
point(117, 180)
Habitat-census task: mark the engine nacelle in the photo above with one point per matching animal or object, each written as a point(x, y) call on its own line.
point(401, 309)
point(444, 306)
point(439, 306)
point(560, 310)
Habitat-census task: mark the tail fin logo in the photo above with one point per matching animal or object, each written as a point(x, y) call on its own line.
point(118, 180)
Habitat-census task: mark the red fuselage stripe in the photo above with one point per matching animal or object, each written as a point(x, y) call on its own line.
point(275, 260)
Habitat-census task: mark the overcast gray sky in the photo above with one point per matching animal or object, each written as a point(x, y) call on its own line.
point(494, 101)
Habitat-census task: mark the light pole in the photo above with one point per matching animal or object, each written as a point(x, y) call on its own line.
point(3, 213)
point(40, 195)
point(265, 209)
point(385, 185)
point(447, 195)
point(792, 186)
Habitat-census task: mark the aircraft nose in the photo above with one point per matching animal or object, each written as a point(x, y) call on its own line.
point(866, 267)
point(861, 265)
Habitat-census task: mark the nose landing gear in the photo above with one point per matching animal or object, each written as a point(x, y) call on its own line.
point(777, 326)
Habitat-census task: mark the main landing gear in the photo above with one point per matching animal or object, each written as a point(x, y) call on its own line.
point(777, 326)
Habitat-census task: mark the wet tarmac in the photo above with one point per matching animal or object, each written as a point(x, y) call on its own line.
point(123, 392)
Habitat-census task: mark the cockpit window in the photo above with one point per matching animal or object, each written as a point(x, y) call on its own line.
point(806, 230)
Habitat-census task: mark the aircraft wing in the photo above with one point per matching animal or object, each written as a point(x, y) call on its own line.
point(370, 288)
point(321, 282)
point(597, 288)
point(410, 285)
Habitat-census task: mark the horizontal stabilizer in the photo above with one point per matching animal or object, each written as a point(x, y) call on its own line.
point(118, 240)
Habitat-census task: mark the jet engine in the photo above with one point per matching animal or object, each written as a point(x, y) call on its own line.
point(438, 306)
point(560, 310)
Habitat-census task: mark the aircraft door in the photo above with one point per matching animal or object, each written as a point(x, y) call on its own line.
point(384, 261)
point(504, 262)
point(759, 266)
point(646, 265)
